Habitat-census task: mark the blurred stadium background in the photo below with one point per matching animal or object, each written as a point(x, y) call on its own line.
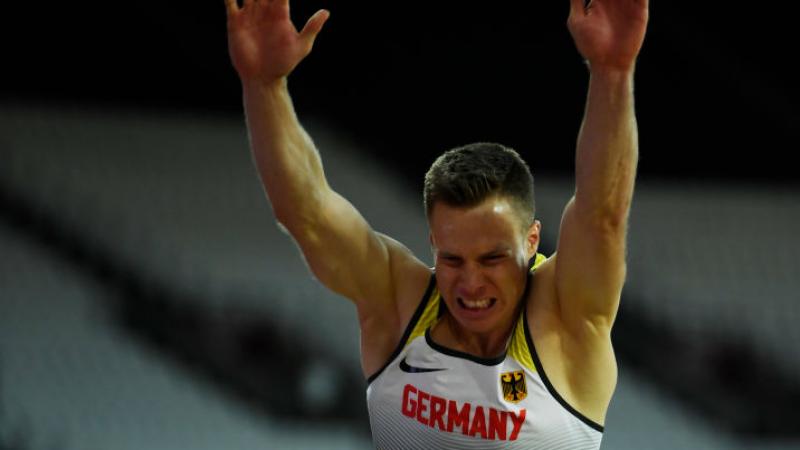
point(148, 299)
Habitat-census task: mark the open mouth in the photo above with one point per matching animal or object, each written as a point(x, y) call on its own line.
point(476, 305)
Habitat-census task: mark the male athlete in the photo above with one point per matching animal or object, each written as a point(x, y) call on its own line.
point(496, 346)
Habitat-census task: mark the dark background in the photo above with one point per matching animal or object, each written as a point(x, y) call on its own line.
point(717, 99)
point(716, 94)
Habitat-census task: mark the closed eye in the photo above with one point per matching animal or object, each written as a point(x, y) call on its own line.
point(494, 259)
point(450, 260)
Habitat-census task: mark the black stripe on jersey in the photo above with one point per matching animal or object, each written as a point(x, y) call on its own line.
point(457, 354)
point(549, 385)
point(409, 328)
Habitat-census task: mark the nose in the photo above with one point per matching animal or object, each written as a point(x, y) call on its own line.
point(471, 283)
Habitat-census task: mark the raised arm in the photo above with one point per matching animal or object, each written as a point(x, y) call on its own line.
point(590, 261)
point(265, 47)
point(340, 248)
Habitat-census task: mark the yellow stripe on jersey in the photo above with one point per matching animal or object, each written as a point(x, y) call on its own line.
point(518, 349)
point(540, 258)
point(429, 316)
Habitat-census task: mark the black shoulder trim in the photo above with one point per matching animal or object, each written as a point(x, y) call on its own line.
point(409, 328)
point(550, 388)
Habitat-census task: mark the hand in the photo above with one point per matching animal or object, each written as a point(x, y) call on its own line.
point(263, 43)
point(609, 33)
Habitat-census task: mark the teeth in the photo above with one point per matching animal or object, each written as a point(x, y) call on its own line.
point(476, 304)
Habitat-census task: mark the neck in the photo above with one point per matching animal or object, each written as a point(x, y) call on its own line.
point(483, 345)
point(489, 344)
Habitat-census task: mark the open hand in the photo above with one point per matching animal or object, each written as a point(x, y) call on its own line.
point(263, 42)
point(609, 33)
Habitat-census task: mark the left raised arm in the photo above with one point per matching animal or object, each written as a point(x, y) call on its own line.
point(590, 260)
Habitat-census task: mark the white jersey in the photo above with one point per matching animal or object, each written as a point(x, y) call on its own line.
point(431, 397)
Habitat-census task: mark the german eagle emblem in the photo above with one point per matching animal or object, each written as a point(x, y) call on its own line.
point(513, 384)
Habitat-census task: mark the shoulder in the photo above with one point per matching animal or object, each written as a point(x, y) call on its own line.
point(581, 367)
point(382, 327)
point(410, 277)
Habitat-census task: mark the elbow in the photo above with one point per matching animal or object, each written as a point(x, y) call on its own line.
point(297, 213)
point(297, 224)
point(609, 217)
point(614, 220)
point(284, 219)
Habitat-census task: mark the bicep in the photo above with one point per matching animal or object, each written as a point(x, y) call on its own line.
point(350, 258)
point(590, 269)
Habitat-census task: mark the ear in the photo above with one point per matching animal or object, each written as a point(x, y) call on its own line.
point(532, 239)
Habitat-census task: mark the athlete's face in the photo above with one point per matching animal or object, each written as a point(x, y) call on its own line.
point(481, 255)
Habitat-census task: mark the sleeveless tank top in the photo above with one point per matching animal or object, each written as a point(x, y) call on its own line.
point(428, 396)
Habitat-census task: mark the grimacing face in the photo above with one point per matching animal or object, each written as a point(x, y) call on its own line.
point(481, 257)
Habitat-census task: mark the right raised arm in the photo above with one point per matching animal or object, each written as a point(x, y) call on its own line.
point(340, 247)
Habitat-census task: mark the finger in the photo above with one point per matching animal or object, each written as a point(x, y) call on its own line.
point(314, 25)
point(231, 7)
point(279, 5)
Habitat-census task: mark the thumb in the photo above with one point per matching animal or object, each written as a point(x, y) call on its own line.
point(314, 26)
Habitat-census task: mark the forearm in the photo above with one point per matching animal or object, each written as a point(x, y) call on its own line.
point(607, 149)
point(287, 161)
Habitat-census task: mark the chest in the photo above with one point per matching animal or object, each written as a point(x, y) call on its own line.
point(432, 399)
